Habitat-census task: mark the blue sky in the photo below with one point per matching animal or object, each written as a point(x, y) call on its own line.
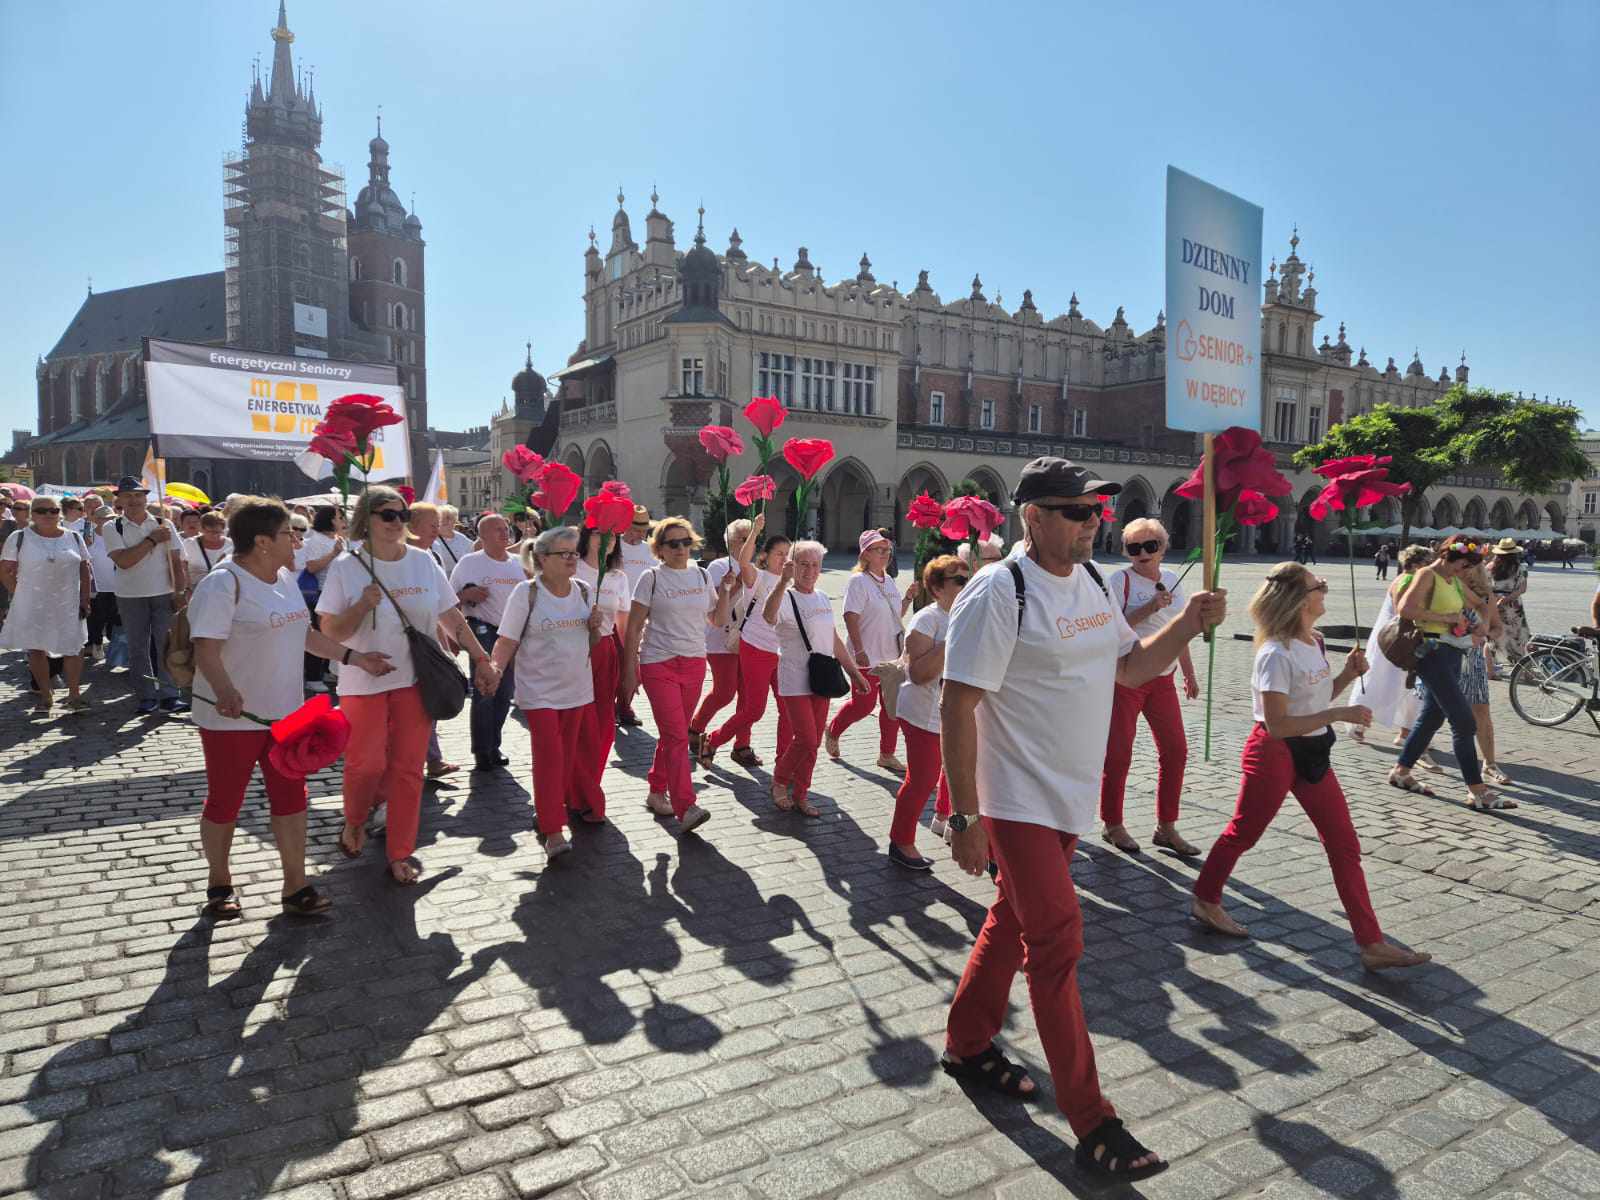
point(1438, 158)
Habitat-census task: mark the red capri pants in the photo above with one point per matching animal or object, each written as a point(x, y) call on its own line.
point(231, 758)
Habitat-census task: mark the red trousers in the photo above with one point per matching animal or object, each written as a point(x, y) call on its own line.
point(858, 705)
point(923, 771)
point(808, 715)
point(563, 774)
point(724, 687)
point(231, 758)
point(758, 675)
point(1158, 701)
point(600, 718)
point(1269, 777)
point(389, 735)
point(1035, 925)
point(673, 687)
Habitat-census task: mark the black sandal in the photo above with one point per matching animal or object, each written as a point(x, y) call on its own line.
point(307, 902)
point(222, 903)
point(1108, 1147)
point(992, 1070)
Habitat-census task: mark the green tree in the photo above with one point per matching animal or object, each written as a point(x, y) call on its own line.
point(1533, 445)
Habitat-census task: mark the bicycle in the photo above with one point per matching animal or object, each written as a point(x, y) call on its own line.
point(1558, 678)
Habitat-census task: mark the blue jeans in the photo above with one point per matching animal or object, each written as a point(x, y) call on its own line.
point(487, 716)
point(1439, 674)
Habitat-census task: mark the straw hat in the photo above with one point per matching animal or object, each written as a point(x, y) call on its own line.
point(1506, 546)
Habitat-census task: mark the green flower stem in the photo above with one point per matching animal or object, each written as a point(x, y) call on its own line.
point(1211, 664)
point(248, 716)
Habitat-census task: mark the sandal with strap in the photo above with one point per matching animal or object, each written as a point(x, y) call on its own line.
point(805, 808)
point(1125, 843)
point(222, 903)
point(1410, 783)
point(993, 1070)
point(746, 757)
point(1489, 801)
point(307, 902)
point(1175, 842)
point(1109, 1148)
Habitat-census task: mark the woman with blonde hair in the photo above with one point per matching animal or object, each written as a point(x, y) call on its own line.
point(722, 641)
point(665, 651)
point(873, 609)
point(1293, 688)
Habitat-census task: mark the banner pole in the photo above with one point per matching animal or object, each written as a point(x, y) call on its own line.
point(1208, 530)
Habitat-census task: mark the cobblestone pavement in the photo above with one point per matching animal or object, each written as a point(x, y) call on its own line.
point(758, 1012)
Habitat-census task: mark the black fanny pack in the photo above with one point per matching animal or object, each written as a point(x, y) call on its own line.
point(1310, 754)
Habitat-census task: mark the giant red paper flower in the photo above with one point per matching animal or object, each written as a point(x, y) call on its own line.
point(1108, 515)
point(807, 455)
point(313, 736)
point(925, 512)
point(721, 442)
point(1357, 489)
point(608, 512)
point(408, 492)
point(615, 487)
point(523, 463)
point(362, 414)
point(1252, 508)
point(757, 487)
point(335, 442)
point(1241, 462)
point(1336, 467)
point(970, 516)
point(765, 413)
point(559, 486)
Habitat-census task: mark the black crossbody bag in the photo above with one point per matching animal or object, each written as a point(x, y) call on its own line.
point(1310, 752)
point(440, 681)
point(824, 674)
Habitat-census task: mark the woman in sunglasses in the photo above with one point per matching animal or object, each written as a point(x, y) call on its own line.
point(45, 570)
point(665, 651)
point(1293, 689)
point(1150, 597)
point(1436, 600)
point(917, 708)
point(389, 727)
point(758, 665)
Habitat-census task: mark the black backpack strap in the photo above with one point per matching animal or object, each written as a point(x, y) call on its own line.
point(533, 598)
point(1021, 586)
point(805, 640)
point(1094, 574)
point(20, 539)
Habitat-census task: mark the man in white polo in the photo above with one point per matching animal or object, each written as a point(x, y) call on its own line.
point(151, 584)
point(1034, 649)
point(483, 581)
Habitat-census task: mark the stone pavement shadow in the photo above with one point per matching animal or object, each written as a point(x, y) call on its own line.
point(1323, 1164)
point(104, 804)
point(88, 738)
point(634, 748)
point(225, 1086)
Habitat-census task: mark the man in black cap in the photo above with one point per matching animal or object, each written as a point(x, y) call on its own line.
point(1034, 649)
point(151, 584)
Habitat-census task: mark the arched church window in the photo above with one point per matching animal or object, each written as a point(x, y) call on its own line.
point(355, 270)
point(400, 272)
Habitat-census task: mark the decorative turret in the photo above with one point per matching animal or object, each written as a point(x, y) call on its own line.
point(802, 264)
point(1416, 367)
point(530, 389)
point(700, 277)
point(591, 256)
point(735, 252)
point(1461, 371)
point(977, 290)
point(283, 113)
point(621, 232)
point(658, 247)
point(377, 207)
point(1027, 302)
point(1072, 308)
point(864, 275)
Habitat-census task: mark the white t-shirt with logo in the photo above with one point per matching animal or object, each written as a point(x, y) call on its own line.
point(1042, 728)
point(724, 639)
point(417, 585)
point(1298, 670)
point(552, 660)
point(499, 578)
point(318, 545)
point(152, 574)
point(615, 595)
point(919, 702)
point(756, 631)
point(195, 556)
point(1131, 590)
point(453, 549)
point(877, 603)
point(794, 674)
point(636, 560)
point(263, 636)
point(679, 602)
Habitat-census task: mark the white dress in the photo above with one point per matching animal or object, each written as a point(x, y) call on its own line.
point(44, 611)
point(1384, 684)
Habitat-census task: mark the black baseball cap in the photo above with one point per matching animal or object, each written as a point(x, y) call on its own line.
point(129, 484)
point(1051, 476)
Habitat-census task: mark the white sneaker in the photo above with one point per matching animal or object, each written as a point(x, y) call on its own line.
point(555, 846)
point(890, 763)
point(658, 803)
point(937, 827)
point(693, 817)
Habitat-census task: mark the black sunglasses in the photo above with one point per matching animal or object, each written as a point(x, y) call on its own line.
point(1072, 512)
point(45, 512)
point(392, 515)
point(677, 543)
point(1150, 547)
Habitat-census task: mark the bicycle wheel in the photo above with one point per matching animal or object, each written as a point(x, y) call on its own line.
point(1549, 686)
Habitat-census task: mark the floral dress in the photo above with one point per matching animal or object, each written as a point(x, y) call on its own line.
point(1513, 639)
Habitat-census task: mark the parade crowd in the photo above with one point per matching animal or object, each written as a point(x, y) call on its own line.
point(1014, 680)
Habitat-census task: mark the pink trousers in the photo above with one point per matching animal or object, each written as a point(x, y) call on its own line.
point(673, 687)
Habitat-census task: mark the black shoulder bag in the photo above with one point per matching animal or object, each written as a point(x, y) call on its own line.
point(440, 682)
point(1310, 752)
point(824, 674)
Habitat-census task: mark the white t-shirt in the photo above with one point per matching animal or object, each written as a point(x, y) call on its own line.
point(877, 603)
point(919, 702)
point(1042, 728)
point(552, 660)
point(1297, 670)
point(263, 636)
point(453, 549)
point(1131, 590)
point(499, 577)
point(794, 675)
point(615, 595)
point(100, 564)
point(318, 545)
point(418, 586)
point(679, 603)
point(724, 639)
point(195, 556)
point(152, 575)
point(756, 631)
point(636, 560)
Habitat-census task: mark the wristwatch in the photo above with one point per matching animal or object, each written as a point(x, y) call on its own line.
point(961, 822)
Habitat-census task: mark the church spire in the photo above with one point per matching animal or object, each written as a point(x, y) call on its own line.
point(282, 88)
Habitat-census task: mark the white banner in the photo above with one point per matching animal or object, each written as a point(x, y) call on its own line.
point(214, 402)
point(310, 319)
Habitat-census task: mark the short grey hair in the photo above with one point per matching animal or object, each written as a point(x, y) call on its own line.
point(450, 510)
point(807, 549)
point(737, 529)
point(1149, 525)
point(537, 547)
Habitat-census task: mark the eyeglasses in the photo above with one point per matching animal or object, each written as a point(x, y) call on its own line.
point(1072, 512)
point(392, 515)
point(677, 543)
point(1150, 547)
point(1320, 585)
point(568, 555)
point(46, 512)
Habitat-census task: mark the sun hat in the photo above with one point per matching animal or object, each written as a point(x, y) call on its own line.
point(641, 515)
point(869, 539)
point(1506, 546)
